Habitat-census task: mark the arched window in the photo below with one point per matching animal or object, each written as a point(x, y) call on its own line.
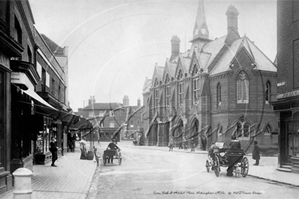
point(219, 99)
point(242, 88)
point(180, 75)
point(168, 90)
point(181, 92)
point(267, 130)
point(268, 92)
point(196, 88)
point(242, 129)
point(156, 93)
point(195, 70)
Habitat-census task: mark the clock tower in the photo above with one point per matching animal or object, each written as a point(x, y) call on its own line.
point(200, 33)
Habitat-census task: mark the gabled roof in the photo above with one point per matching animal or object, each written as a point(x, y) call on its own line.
point(184, 64)
point(52, 45)
point(158, 73)
point(259, 58)
point(147, 85)
point(170, 68)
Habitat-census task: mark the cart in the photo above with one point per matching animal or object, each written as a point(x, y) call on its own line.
point(220, 159)
point(112, 154)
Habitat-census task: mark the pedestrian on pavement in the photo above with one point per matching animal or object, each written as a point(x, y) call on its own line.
point(53, 150)
point(255, 153)
point(233, 154)
point(171, 142)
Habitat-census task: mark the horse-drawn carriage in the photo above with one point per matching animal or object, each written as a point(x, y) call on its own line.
point(219, 157)
point(109, 155)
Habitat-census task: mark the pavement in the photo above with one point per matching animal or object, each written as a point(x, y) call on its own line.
point(72, 178)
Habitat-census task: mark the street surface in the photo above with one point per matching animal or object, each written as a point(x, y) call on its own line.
point(149, 173)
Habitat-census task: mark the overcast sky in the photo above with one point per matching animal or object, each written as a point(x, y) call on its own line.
point(114, 44)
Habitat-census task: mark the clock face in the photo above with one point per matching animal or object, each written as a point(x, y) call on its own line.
point(203, 31)
point(196, 32)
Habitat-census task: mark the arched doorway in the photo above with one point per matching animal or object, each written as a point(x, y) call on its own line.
point(177, 132)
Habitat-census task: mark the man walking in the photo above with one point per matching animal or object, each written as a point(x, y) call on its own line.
point(53, 150)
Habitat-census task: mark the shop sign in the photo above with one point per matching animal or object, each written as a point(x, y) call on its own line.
point(288, 94)
point(4, 60)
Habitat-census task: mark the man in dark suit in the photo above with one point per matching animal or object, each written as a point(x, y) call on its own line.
point(112, 146)
point(233, 154)
point(53, 150)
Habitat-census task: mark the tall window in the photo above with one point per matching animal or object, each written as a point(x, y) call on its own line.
point(29, 54)
point(18, 32)
point(242, 88)
point(59, 93)
point(196, 89)
point(268, 92)
point(219, 99)
point(168, 95)
point(168, 90)
point(53, 86)
point(242, 129)
point(181, 93)
point(156, 97)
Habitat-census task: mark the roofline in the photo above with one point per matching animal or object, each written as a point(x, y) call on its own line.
point(30, 11)
point(262, 52)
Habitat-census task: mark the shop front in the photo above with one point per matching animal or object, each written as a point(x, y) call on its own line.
point(287, 111)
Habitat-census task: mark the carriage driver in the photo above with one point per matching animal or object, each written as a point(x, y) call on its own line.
point(234, 147)
point(112, 146)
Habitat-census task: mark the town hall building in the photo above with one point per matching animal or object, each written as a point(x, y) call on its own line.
point(216, 89)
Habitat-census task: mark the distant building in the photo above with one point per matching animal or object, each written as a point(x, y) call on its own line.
point(216, 89)
point(286, 104)
point(111, 117)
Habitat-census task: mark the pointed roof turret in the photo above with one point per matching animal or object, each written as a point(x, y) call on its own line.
point(200, 28)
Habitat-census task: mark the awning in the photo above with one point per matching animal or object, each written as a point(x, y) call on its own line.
point(72, 120)
point(35, 96)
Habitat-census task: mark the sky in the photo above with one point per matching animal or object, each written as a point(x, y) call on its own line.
point(113, 45)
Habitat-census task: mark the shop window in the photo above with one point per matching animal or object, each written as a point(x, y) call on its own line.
point(242, 88)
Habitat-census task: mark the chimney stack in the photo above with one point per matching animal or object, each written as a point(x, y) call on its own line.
point(232, 24)
point(175, 47)
point(125, 101)
point(139, 102)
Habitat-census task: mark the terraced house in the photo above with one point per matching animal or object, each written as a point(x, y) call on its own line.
point(214, 90)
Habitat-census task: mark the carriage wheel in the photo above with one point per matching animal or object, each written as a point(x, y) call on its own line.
point(104, 160)
point(207, 166)
point(216, 166)
point(244, 166)
point(120, 158)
